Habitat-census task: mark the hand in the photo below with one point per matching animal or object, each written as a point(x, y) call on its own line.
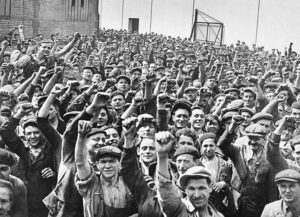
point(187, 79)
point(164, 142)
point(150, 77)
point(57, 89)
point(91, 89)
point(47, 173)
point(42, 69)
point(77, 35)
point(280, 98)
point(25, 109)
point(162, 99)
point(110, 82)
point(23, 98)
point(219, 186)
point(137, 101)
point(100, 100)
point(237, 119)
point(4, 95)
point(288, 119)
point(163, 79)
point(57, 69)
point(84, 127)
point(129, 127)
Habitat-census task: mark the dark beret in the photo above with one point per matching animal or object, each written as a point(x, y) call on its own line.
point(207, 136)
point(187, 149)
point(6, 157)
point(296, 105)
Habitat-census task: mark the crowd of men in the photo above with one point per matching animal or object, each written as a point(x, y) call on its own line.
point(119, 124)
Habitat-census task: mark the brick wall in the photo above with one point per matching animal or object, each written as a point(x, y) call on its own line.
point(47, 17)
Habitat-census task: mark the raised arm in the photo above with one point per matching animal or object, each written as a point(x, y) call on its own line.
point(23, 86)
point(53, 80)
point(81, 160)
point(68, 47)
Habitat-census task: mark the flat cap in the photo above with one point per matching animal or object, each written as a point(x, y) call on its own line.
point(159, 68)
point(289, 175)
point(261, 115)
point(271, 85)
point(250, 90)
point(190, 88)
point(245, 109)
point(228, 115)
point(30, 122)
point(187, 149)
point(6, 157)
point(108, 67)
point(296, 105)
point(90, 68)
point(183, 104)
point(295, 140)
point(123, 77)
point(95, 131)
point(207, 136)
point(255, 130)
point(109, 151)
point(228, 90)
point(219, 95)
point(136, 69)
point(194, 173)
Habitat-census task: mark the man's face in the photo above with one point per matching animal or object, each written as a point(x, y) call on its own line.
point(247, 118)
point(287, 134)
point(95, 142)
point(296, 114)
point(197, 119)
point(146, 130)
point(118, 102)
point(234, 94)
point(266, 124)
point(256, 143)
point(185, 140)
point(4, 171)
point(208, 148)
point(212, 126)
point(122, 85)
point(82, 57)
point(181, 118)
point(96, 61)
point(102, 118)
point(136, 75)
point(210, 83)
point(230, 75)
point(52, 113)
point(108, 166)
point(249, 100)
point(296, 153)
point(184, 162)
point(87, 74)
point(191, 95)
point(147, 151)
point(5, 201)
point(112, 137)
point(198, 191)
point(97, 78)
point(223, 87)
point(289, 191)
point(270, 96)
point(45, 49)
point(33, 135)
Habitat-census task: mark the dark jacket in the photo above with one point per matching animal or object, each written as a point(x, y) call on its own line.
point(134, 178)
point(38, 187)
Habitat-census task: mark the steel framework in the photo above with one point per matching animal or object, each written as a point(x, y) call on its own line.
point(207, 28)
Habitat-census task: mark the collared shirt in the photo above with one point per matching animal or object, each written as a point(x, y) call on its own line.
point(277, 209)
point(213, 167)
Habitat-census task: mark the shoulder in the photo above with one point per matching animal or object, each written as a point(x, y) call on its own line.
point(273, 207)
point(17, 183)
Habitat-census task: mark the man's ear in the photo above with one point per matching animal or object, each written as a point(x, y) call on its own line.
point(138, 150)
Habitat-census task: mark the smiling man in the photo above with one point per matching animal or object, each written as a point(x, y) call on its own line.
point(288, 183)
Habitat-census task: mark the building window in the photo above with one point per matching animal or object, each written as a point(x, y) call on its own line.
point(76, 10)
point(5, 8)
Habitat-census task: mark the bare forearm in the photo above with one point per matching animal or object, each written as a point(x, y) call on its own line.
point(22, 87)
point(81, 160)
point(50, 84)
point(162, 163)
point(44, 111)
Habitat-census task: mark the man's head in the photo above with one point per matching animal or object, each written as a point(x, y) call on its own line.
point(191, 94)
point(288, 183)
point(296, 148)
point(181, 112)
point(208, 145)
point(211, 124)
point(257, 137)
point(249, 97)
point(186, 136)
point(197, 118)
point(196, 183)
point(44, 49)
point(146, 126)
point(247, 115)
point(117, 100)
point(108, 159)
point(186, 156)
point(233, 92)
point(123, 83)
point(6, 162)
point(32, 133)
point(95, 140)
point(6, 197)
point(147, 150)
point(296, 111)
point(263, 119)
point(112, 136)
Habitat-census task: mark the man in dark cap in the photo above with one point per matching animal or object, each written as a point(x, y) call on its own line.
point(6, 198)
point(252, 167)
point(123, 83)
point(19, 201)
point(288, 183)
point(220, 170)
point(86, 75)
point(196, 183)
point(263, 119)
point(186, 156)
point(114, 198)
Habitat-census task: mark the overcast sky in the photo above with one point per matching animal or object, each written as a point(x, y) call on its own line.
point(279, 22)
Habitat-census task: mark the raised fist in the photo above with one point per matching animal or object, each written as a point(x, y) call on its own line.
point(84, 127)
point(164, 142)
point(129, 126)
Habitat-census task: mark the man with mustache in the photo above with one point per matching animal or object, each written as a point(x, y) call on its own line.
point(288, 183)
point(252, 166)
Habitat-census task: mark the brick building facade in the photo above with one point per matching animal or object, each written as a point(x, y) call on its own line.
point(49, 16)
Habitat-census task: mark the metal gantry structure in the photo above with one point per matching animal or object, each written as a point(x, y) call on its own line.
point(207, 29)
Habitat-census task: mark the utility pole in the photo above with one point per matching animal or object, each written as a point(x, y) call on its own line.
point(151, 16)
point(122, 14)
point(100, 23)
point(193, 13)
point(257, 20)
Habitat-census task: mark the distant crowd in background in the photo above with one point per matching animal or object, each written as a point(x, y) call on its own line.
point(119, 124)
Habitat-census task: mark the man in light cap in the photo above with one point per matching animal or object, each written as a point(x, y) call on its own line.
point(114, 196)
point(252, 167)
point(288, 183)
point(196, 183)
